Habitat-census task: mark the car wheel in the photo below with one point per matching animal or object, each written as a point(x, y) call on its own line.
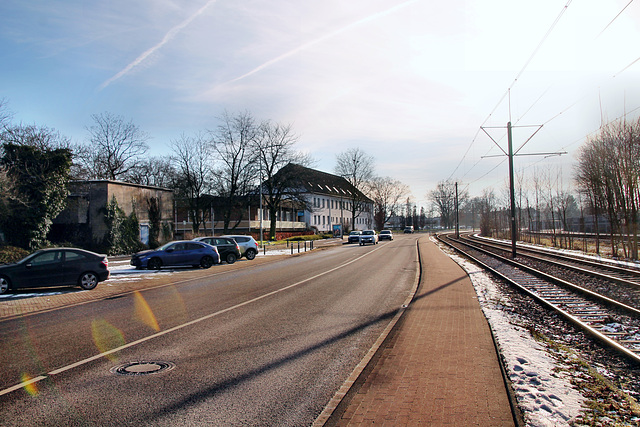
point(251, 254)
point(231, 258)
point(88, 280)
point(206, 262)
point(4, 284)
point(154, 264)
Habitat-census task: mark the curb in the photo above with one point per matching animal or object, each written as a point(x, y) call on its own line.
point(338, 402)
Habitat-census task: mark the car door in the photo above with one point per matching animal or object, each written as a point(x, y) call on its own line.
point(194, 253)
point(73, 265)
point(44, 269)
point(174, 255)
point(223, 247)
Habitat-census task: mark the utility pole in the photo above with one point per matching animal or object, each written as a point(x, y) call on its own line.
point(457, 217)
point(512, 193)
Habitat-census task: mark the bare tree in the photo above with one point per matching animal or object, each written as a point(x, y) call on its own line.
point(234, 143)
point(444, 199)
point(609, 172)
point(115, 147)
point(39, 137)
point(155, 171)
point(357, 167)
point(387, 195)
point(488, 217)
point(5, 114)
point(277, 161)
point(192, 161)
point(589, 176)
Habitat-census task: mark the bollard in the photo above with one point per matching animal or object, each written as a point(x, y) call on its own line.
point(311, 244)
point(291, 249)
point(305, 246)
point(298, 246)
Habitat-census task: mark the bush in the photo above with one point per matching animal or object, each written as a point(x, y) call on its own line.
point(304, 238)
point(9, 254)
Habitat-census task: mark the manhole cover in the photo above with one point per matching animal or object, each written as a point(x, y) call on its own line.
point(142, 368)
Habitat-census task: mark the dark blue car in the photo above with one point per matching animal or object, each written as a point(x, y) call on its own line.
point(175, 254)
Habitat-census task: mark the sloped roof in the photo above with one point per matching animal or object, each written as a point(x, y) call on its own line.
point(318, 182)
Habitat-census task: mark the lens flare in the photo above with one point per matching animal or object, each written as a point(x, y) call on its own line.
point(30, 388)
point(143, 312)
point(106, 337)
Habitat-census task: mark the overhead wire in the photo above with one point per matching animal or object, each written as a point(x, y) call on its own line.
point(616, 17)
point(542, 95)
point(507, 92)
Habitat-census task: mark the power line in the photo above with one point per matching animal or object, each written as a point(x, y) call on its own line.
point(616, 17)
point(625, 68)
point(507, 92)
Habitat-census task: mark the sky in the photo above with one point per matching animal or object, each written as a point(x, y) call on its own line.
point(425, 87)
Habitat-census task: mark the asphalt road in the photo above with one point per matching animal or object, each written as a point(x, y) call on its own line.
point(265, 345)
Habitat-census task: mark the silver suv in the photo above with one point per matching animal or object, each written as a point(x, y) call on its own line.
point(248, 245)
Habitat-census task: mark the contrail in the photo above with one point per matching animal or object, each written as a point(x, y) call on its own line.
point(323, 38)
point(167, 38)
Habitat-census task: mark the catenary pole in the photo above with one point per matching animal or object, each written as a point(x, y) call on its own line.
point(512, 193)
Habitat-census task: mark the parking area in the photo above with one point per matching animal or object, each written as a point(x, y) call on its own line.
point(125, 279)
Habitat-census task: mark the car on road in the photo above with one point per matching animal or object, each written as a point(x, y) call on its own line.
point(354, 236)
point(248, 245)
point(227, 247)
point(368, 236)
point(175, 254)
point(55, 267)
point(385, 235)
point(408, 229)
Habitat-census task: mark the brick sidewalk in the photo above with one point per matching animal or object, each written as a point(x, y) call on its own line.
point(439, 365)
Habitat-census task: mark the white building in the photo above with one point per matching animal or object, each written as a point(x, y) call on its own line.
point(330, 201)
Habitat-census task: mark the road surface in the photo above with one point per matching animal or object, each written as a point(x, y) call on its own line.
point(265, 344)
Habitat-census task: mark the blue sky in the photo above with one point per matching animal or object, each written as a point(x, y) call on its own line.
point(408, 82)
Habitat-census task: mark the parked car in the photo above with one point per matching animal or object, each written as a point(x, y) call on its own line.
point(55, 267)
point(248, 245)
point(385, 235)
point(368, 236)
point(408, 229)
point(228, 249)
point(177, 253)
point(354, 237)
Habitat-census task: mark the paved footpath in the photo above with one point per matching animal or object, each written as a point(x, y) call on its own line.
point(439, 366)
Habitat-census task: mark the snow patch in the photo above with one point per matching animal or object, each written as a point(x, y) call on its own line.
point(545, 396)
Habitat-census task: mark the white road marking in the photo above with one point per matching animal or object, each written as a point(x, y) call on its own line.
point(176, 328)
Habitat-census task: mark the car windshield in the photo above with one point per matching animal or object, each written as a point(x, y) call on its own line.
point(165, 246)
point(354, 233)
point(368, 232)
point(385, 232)
point(28, 258)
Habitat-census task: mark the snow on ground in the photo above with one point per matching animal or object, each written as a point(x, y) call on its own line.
point(572, 252)
point(545, 396)
point(122, 271)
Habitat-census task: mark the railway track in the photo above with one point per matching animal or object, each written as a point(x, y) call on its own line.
point(606, 269)
point(612, 322)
